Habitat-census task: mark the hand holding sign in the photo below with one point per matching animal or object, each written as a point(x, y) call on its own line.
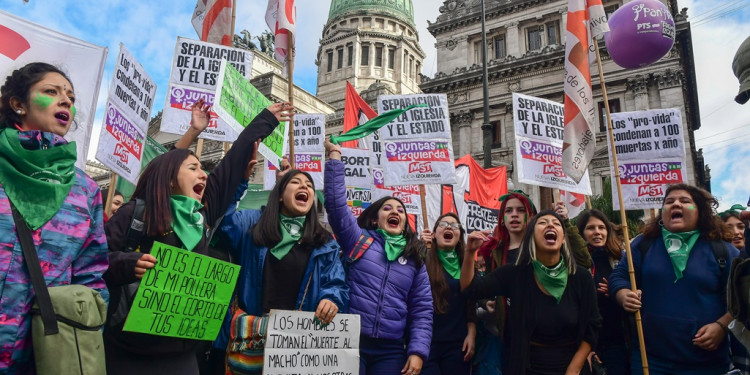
point(326, 311)
point(282, 111)
point(145, 262)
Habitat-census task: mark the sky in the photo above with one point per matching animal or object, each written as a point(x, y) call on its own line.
point(149, 29)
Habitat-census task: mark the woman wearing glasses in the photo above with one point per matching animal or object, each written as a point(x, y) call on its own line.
point(454, 327)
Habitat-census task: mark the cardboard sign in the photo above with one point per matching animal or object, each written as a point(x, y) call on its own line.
point(297, 344)
point(357, 163)
point(539, 139)
point(309, 132)
point(408, 194)
point(310, 162)
point(239, 101)
point(185, 295)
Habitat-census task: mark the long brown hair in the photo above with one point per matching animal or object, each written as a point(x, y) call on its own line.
point(614, 243)
point(709, 224)
point(369, 220)
point(440, 289)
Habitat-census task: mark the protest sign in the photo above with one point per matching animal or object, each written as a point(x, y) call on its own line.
point(539, 140)
point(239, 101)
point(23, 42)
point(128, 111)
point(297, 344)
point(194, 76)
point(185, 295)
point(374, 144)
point(310, 162)
point(408, 194)
point(358, 199)
point(644, 182)
point(357, 167)
point(309, 132)
point(417, 145)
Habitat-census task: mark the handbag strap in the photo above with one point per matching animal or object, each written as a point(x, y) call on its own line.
point(35, 273)
point(305, 293)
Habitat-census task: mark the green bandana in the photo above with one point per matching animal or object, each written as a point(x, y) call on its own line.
point(552, 279)
point(678, 247)
point(187, 221)
point(450, 262)
point(372, 125)
point(36, 181)
point(291, 232)
point(394, 245)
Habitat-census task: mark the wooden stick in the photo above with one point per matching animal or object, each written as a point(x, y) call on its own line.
point(422, 196)
point(290, 71)
point(110, 193)
point(623, 219)
point(199, 148)
point(227, 145)
point(652, 213)
point(588, 202)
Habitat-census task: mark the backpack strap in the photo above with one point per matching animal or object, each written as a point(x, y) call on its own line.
point(722, 258)
point(363, 243)
point(137, 227)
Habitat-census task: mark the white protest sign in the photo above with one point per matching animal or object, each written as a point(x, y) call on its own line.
point(374, 143)
point(408, 194)
point(297, 344)
point(310, 162)
point(128, 110)
point(357, 164)
point(651, 155)
point(539, 134)
point(309, 132)
point(429, 122)
point(194, 76)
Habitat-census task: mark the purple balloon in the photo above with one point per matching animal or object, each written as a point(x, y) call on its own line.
point(642, 32)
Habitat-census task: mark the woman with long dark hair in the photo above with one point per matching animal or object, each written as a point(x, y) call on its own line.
point(554, 320)
point(61, 204)
point(454, 327)
point(180, 206)
point(681, 266)
point(389, 286)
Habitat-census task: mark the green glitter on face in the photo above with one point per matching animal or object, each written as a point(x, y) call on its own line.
point(43, 101)
point(691, 207)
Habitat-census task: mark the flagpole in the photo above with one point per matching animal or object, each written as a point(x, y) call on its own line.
point(588, 202)
point(227, 145)
point(290, 71)
point(422, 196)
point(110, 193)
point(623, 218)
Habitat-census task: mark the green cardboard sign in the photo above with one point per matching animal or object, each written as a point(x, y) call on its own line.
point(185, 295)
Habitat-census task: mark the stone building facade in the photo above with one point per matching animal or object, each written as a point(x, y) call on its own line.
point(526, 50)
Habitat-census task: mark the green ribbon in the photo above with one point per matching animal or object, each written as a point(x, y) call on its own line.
point(449, 259)
point(678, 247)
point(372, 125)
point(394, 244)
point(552, 279)
point(187, 221)
point(510, 193)
point(36, 181)
point(737, 208)
point(291, 232)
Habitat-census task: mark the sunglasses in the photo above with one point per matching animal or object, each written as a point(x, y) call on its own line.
point(445, 224)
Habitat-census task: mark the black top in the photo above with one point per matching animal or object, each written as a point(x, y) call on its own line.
point(613, 316)
point(518, 283)
point(282, 279)
point(451, 326)
point(556, 323)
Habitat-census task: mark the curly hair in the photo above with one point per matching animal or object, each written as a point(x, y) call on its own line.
point(709, 224)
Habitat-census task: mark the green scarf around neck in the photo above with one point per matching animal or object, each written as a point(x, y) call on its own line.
point(450, 262)
point(678, 247)
point(552, 279)
point(36, 181)
point(187, 221)
point(394, 245)
point(291, 232)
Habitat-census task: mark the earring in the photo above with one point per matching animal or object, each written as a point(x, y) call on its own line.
point(20, 112)
point(661, 223)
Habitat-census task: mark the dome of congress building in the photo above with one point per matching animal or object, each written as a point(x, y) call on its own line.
point(399, 9)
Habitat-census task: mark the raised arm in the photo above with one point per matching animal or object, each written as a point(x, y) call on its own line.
point(341, 219)
point(199, 118)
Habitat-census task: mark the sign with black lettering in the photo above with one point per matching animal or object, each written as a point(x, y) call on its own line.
point(309, 132)
point(298, 344)
point(408, 194)
point(185, 295)
point(357, 163)
point(539, 140)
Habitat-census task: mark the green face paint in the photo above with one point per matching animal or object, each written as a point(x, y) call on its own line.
point(73, 112)
point(43, 101)
point(691, 207)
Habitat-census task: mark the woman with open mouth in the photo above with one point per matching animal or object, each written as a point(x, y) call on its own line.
point(289, 260)
point(554, 320)
point(60, 204)
point(454, 327)
point(681, 263)
point(180, 205)
point(738, 228)
point(389, 286)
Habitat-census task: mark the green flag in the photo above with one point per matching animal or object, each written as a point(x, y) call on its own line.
point(151, 150)
point(373, 125)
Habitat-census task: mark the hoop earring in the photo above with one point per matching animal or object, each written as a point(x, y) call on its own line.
point(661, 223)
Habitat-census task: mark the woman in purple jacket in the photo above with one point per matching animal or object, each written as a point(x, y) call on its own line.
point(388, 282)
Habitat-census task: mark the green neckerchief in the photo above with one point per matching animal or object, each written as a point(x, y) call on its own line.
point(36, 181)
point(552, 279)
point(678, 247)
point(187, 221)
point(372, 125)
point(394, 245)
point(291, 232)
point(449, 258)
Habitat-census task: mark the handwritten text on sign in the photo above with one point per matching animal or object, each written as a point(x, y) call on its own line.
point(185, 295)
point(296, 344)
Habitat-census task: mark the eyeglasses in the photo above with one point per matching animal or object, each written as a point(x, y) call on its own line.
point(445, 224)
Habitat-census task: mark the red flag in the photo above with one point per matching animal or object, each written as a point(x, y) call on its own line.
point(212, 20)
point(574, 202)
point(356, 112)
point(579, 141)
point(281, 16)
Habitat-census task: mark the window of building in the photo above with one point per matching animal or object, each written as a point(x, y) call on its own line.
point(391, 57)
point(365, 56)
point(497, 134)
point(478, 52)
point(614, 107)
point(330, 61)
point(535, 37)
point(349, 55)
point(499, 44)
point(411, 66)
point(378, 55)
point(609, 9)
point(553, 33)
point(339, 58)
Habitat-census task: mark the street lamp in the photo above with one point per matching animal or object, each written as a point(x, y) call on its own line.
point(486, 126)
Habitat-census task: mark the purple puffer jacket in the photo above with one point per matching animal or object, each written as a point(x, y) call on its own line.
point(388, 296)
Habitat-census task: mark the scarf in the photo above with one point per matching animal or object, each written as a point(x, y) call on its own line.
point(291, 232)
point(187, 221)
point(678, 247)
point(372, 125)
point(394, 245)
point(552, 279)
point(37, 178)
point(450, 262)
